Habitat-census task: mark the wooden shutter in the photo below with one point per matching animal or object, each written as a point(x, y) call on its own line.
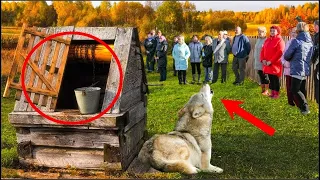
point(45, 68)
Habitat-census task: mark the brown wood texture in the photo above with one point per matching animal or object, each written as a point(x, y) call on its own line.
point(75, 138)
point(129, 142)
point(69, 157)
point(99, 53)
point(35, 71)
point(16, 59)
point(122, 48)
point(33, 118)
point(104, 33)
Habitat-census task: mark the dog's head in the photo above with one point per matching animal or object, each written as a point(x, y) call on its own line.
point(199, 104)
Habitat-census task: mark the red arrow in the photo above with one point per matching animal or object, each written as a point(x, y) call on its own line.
point(233, 107)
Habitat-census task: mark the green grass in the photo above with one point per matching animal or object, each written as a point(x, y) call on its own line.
point(241, 149)
point(9, 154)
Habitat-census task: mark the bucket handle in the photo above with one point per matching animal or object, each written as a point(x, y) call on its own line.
point(84, 91)
point(94, 83)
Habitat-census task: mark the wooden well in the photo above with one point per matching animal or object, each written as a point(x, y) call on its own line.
point(110, 142)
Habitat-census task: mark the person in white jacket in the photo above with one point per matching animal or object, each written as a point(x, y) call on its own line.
point(181, 53)
point(286, 69)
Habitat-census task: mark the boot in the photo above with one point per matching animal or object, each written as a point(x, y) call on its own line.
point(264, 89)
point(193, 78)
point(272, 93)
point(199, 75)
point(184, 80)
point(276, 95)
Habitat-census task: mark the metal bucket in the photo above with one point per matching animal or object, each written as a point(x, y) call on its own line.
point(88, 99)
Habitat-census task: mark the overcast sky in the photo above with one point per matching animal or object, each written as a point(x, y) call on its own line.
point(232, 5)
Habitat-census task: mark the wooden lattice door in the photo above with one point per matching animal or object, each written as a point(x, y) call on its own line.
point(45, 68)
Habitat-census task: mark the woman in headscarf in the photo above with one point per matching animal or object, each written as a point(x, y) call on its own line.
point(270, 57)
point(264, 80)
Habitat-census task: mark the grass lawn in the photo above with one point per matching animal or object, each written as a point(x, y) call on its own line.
point(241, 149)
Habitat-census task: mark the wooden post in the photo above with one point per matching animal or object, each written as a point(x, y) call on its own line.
point(15, 64)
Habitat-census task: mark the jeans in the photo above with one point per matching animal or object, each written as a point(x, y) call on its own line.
point(208, 74)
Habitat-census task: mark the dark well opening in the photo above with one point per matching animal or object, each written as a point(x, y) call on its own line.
point(80, 72)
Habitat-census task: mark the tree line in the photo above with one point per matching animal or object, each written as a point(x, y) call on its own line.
point(171, 17)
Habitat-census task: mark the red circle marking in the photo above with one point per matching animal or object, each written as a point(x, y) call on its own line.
point(62, 121)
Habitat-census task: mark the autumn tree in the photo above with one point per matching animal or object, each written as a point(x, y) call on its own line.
point(189, 16)
point(169, 17)
point(104, 15)
point(38, 13)
point(10, 12)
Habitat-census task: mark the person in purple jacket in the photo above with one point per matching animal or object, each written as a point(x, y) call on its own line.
point(292, 100)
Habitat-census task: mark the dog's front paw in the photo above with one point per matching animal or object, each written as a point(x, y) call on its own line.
point(194, 170)
point(213, 169)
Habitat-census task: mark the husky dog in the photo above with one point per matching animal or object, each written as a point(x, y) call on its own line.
point(187, 149)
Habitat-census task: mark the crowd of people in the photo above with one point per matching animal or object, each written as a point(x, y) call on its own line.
point(272, 58)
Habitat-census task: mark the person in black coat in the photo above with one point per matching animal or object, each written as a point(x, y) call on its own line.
point(175, 41)
point(161, 57)
point(207, 59)
point(150, 45)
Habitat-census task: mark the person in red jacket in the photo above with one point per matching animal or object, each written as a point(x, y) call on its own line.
point(270, 57)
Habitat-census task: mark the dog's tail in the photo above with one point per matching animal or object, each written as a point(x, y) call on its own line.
point(158, 161)
point(146, 151)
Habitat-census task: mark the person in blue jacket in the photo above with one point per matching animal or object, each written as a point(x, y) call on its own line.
point(299, 54)
point(181, 54)
point(195, 57)
point(240, 49)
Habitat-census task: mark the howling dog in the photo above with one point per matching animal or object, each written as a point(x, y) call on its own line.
point(187, 149)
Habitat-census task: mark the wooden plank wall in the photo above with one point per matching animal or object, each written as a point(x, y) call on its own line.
point(122, 45)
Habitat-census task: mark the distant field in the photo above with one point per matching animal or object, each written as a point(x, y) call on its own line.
point(10, 30)
point(252, 28)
